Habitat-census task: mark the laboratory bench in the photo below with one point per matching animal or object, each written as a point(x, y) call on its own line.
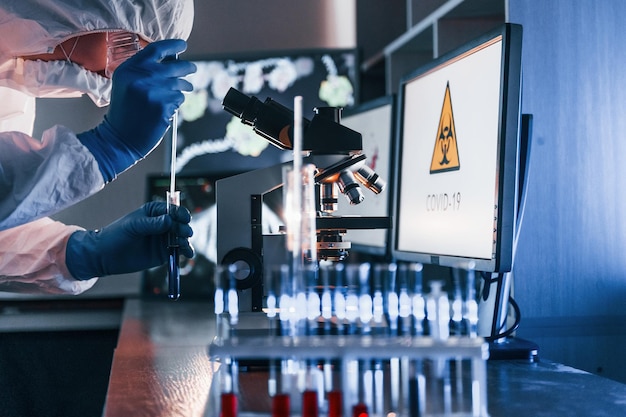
point(161, 367)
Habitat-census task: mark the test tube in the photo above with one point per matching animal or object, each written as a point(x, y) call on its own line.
point(394, 383)
point(438, 311)
point(457, 324)
point(327, 300)
point(366, 308)
point(417, 389)
point(173, 199)
point(339, 300)
point(335, 403)
point(286, 303)
point(287, 374)
point(378, 308)
point(229, 405)
point(438, 315)
point(360, 410)
point(312, 390)
point(404, 300)
point(221, 285)
point(379, 389)
point(367, 387)
point(273, 291)
point(393, 302)
point(275, 278)
point(350, 383)
point(281, 405)
point(313, 300)
point(418, 304)
point(233, 300)
point(417, 380)
point(352, 298)
point(326, 311)
point(228, 382)
point(310, 407)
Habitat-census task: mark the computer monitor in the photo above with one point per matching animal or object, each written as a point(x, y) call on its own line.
point(375, 121)
point(211, 139)
point(457, 156)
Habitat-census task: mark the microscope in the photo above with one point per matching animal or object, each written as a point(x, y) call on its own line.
point(334, 150)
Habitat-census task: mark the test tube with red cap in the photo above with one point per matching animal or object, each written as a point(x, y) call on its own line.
point(229, 383)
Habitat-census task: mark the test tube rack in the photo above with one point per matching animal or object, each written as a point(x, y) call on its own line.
point(364, 370)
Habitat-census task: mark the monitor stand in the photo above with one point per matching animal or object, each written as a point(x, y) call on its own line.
point(493, 307)
point(494, 299)
point(510, 348)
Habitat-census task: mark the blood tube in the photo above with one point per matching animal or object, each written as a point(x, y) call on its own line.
point(359, 410)
point(335, 404)
point(281, 405)
point(309, 404)
point(229, 405)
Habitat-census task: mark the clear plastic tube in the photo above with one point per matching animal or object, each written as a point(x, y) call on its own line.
point(173, 199)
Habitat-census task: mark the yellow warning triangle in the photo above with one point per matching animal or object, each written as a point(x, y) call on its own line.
point(446, 153)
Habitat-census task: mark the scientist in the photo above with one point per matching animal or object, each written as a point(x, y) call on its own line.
point(119, 54)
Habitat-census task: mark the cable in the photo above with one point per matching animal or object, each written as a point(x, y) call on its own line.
point(525, 157)
point(514, 327)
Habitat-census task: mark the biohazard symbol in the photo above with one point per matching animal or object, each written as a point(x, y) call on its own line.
point(446, 153)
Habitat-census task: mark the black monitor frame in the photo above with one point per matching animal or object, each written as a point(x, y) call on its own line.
point(376, 248)
point(509, 122)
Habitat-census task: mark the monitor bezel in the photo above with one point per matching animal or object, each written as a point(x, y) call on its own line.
point(508, 154)
point(383, 101)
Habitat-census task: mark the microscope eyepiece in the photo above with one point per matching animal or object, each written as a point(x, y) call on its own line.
point(269, 119)
point(274, 122)
point(236, 102)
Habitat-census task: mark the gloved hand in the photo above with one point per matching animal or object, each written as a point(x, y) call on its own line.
point(132, 243)
point(146, 91)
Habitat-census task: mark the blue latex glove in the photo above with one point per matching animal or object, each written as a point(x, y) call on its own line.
point(132, 243)
point(147, 90)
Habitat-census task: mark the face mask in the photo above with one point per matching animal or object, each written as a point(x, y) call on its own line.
point(120, 47)
point(59, 79)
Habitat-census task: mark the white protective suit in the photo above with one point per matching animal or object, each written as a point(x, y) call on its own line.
point(41, 177)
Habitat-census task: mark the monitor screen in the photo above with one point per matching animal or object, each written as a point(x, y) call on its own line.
point(211, 139)
point(375, 121)
point(458, 139)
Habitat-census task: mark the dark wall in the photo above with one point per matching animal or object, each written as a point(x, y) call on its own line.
point(252, 25)
point(378, 23)
point(570, 271)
